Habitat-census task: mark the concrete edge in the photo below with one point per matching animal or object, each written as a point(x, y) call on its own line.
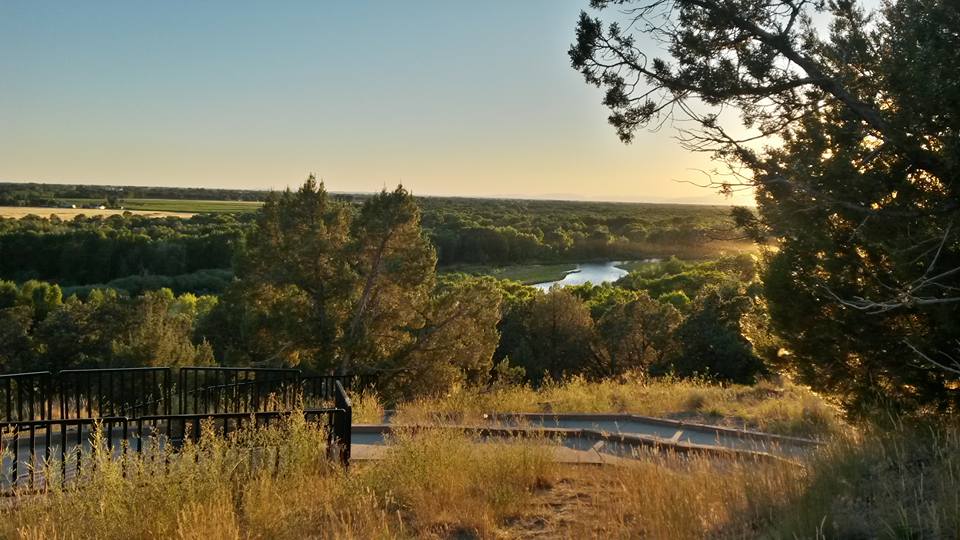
point(679, 424)
point(646, 441)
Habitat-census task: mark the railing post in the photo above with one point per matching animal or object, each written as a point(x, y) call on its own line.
point(343, 423)
point(348, 435)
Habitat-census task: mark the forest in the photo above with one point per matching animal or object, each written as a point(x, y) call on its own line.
point(233, 289)
point(135, 253)
point(839, 324)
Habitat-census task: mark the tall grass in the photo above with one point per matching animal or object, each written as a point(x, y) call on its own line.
point(901, 480)
point(903, 483)
point(777, 407)
point(446, 482)
point(276, 483)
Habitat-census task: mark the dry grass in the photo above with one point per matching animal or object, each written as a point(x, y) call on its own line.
point(897, 482)
point(367, 407)
point(783, 408)
point(431, 485)
point(447, 483)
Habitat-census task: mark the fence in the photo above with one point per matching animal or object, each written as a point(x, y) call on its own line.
point(31, 447)
point(93, 393)
point(46, 414)
point(26, 396)
point(227, 389)
point(135, 392)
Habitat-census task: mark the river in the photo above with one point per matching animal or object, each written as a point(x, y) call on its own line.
point(595, 273)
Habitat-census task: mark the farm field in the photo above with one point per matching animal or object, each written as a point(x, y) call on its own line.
point(18, 212)
point(180, 205)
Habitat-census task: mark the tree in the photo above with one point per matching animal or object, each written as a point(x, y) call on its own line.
point(294, 284)
point(851, 140)
point(637, 334)
point(395, 266)
point(156, 334)
point(9, 293)
point(711, 342)
point(454, 345)
point(329, 287)
point(264, 324)
point(560, 334)
point(41, 297)
point(17, 349)
point(78, 334)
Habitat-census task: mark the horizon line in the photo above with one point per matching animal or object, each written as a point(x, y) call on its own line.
point(545, 197)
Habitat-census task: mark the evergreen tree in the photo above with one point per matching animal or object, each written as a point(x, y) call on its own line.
point(332, 288)
point(855, 170)
point(637, 334)
point(560, 336)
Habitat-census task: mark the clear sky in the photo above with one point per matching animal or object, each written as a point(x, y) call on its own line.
point(451, 98)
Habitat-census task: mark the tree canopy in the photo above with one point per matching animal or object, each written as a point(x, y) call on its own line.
point(849, 135)
point(326, 286)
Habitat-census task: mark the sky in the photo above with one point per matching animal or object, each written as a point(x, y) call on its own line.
point(446, 97)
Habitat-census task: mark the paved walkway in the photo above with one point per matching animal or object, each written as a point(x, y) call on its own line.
point(561, 454)
point(606, 438)
point(583, 438)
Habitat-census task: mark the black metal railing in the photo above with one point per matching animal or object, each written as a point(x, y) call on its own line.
point(45, 415)
point(230, 389)
point(26, 396)
point(132, 392)
point(342, 423)
point(323, 387)
point(30, 445)
point(31, 448)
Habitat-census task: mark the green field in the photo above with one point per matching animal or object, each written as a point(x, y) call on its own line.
point(178, 205)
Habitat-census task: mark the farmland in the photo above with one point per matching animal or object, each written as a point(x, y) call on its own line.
point(19, 212)
point(188, 206)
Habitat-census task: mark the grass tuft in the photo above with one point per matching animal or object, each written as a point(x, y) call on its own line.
point(776, 407)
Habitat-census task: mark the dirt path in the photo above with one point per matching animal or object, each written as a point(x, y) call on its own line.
point(566, 509)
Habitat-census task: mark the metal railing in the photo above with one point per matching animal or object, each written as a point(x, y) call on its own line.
point(43, 414)
point(342, 423)
point(233, 389)
point(94, 393)
point(26, 396)
point(32, 439)
point(134, 392)
point(31, 448)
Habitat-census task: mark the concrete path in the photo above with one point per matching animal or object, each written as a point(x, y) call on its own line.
point(581, 438)
point(664, 430)
point(604, 438)
point(561, 454)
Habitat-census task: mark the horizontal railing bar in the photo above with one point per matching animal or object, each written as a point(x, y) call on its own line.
point(240, 383)
point(24, 375)
point(231, 368)
point(343, 394)
point(64, 422)
point(110, 370)
point(231, 416)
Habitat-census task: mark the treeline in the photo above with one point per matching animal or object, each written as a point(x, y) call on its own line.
point(327, 285)
point(40, 330)
point(33, 194)
point(493, 231)
point(98, 250)
point(137, 253)
point(465, 329)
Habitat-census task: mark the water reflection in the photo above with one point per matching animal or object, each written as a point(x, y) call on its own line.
point(595, 273)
